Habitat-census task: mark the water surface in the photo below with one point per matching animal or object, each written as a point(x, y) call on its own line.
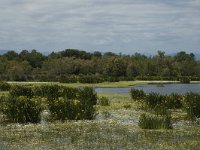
point(157, 88)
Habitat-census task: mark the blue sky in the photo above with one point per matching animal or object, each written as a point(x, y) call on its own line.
point(126, 26)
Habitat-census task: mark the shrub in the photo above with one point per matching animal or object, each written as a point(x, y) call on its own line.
point(90, 79)
point(155, 122)
point(20, 90)
point(67, 109)
point(69, 93)
point(68, 79)
point(3, 99)
point(63, 109)
point(87, 94)
point(153, 99)
point(103, 101)
point(23, 109)
point(191, 103)
point(174, 101)
point(137, 94)
point(184, 79)
point(4, 86)
point(50, 91)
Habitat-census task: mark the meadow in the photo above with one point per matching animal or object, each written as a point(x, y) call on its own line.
point(116, 126)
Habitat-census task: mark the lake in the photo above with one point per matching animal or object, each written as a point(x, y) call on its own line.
point(158, 88)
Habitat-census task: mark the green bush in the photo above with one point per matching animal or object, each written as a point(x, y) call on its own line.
point(68, 79)
point(87, 94)
point(174, 101)
point(23, 109)
point(63, 109)
point(50, 91)
point(3, 100)
point(68, 109)
point(184, 79)
point(153, 99)
point(4, 86)
point(21, 90)
point(69, 92)
point(137, 94)
point(90, 79)
point(191, 104)
point(155, 122)
point(103, 101)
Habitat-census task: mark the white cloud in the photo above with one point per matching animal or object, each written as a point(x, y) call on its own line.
point(100, 24)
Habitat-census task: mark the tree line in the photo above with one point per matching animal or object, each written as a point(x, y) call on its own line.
point(73, 65)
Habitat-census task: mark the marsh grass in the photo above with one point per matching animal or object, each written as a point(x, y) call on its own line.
point(95, 135)
point(155, 122)
point(118, 131)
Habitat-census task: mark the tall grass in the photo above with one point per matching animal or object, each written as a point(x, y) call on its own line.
point(137, 94)
point(191, 104)
point(155, 122)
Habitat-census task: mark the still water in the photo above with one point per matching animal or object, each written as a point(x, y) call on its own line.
point(158, 88)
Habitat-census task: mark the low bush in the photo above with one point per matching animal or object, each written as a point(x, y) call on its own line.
point(153, 99)
point(137, 94)
point(4, 86)
point(174, 101)
point(69, 92)
point(91, 79)
point(21, 90)
point(184, 79)
point(87, 94)
point(191, 104)
point(155, 122)
point(63, 109)
point(103, 101)
point(23, 109)
point(50, 91)
point(68, 79)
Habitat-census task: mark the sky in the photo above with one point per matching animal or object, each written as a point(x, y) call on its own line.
point(125, 26)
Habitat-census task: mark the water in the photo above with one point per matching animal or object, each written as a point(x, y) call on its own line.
point(158, 88)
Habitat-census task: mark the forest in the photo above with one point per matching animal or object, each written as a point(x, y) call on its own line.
point(72, 65)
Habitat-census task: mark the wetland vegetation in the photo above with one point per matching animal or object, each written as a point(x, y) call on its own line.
point(118, 120)
point(58, 104)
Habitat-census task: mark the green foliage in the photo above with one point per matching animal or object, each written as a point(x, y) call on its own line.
point(103, 101)
point(23, 109)
point(4, 86)
point(184, 79)
point(63, 109)
point(20, 90)
point(81, 108)
point(155, 122)
point(137, 94)
point(69, 93)
point(87, 94)
point(191, 104)
point(174, 101)
point(68, 79)
point(68, 65)
point(90, 79)
point(153, 99)
point(50, 91)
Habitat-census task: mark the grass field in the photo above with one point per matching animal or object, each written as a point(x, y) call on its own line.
point(115, 127)
point(104, 84)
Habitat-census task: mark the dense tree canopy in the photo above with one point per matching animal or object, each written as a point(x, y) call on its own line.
point(72, 63)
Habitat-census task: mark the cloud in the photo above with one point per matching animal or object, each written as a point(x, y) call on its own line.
point(100, 25)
